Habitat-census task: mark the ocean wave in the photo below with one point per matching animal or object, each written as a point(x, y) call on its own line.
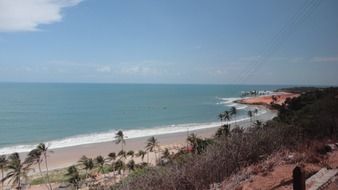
point(233, 105)
point(230, 103)
point(227, 100)
point(109, 135)
point(241, 107)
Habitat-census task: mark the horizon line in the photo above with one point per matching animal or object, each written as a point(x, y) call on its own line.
point(146, 83)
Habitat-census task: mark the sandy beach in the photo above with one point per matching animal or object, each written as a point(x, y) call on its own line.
point(64, 157)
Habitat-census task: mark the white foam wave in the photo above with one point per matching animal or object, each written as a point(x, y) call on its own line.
point(227, 100)
point(230, 103)
point(233, 105)
point(241, 107)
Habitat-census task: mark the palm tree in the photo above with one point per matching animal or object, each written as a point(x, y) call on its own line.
point(120, 138)
point(35, 157)
point(233, 111)
point(192, 140)
point(17, 171)
point(131, 165)
point(152, 145)
point(100, 162)
point(223, 130)
point(258, 123)
point(221, 117)
point(250, 114)
point(3, 164)
point(122, 154)
point(198, 144)
point(87, 163)
point(141, 154)
point(166, 153)
point(73, 176)
point(43, 149)
point(119, 166)
point(255, 112)
point(131, 153)
point(226, 116)
point(112, 156)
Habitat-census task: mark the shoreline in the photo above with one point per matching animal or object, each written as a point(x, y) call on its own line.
point(108, 136)
point(61, 158)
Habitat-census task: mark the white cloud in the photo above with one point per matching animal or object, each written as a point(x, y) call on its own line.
point(27, 15)
point(141, 70)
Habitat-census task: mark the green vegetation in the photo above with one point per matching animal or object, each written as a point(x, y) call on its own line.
point(56, 176)
point(313, 115)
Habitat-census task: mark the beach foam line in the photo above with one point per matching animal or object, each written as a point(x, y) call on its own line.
point(228, 100)
point(241, 107)
point(109, 135)
point(230, 103)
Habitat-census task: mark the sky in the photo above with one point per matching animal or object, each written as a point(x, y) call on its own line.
point(170, 41)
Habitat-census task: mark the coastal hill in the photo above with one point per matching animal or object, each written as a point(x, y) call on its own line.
point(261, 157)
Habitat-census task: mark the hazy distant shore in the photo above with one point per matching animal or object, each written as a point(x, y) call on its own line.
point(266, 100)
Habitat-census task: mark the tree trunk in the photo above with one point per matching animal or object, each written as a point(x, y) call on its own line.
point(19, 183)
point(39, 165)
point(2, 176)
point(155, 158)
point(86, 176)
point(47, 172)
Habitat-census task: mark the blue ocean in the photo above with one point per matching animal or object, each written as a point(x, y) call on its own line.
point(73, 114)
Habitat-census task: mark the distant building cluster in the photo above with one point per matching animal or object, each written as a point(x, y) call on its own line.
point(255, 93)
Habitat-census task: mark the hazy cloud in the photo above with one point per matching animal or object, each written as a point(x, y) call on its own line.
point(27, 15)
point(104, 69)
point(325, 59)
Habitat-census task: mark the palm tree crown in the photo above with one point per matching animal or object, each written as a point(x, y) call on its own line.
point(131, 153)
point(152, 145)
point(221, 116)
point(112, 156)
point(3, 165)
point(224, 130)
point(166, 153)
point(17, 171)
point(120, 138)
point(73, 176)
point(226, 116)
point(100, 162)
point(119, 166)
point(43, 149)
point(233, 111)
point(250, 114)
point(141, 154)
point(131, 165)
point(122, 154)
point(87, 163)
